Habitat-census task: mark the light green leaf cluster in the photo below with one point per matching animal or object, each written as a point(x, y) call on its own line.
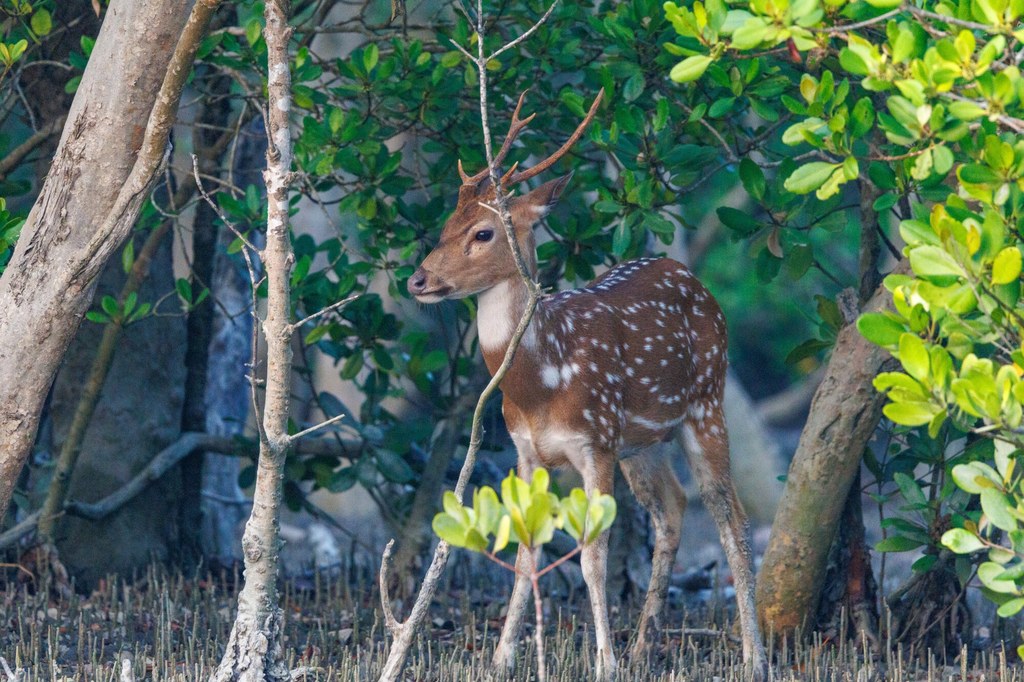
point(527, 513)
point(956, 328)
point(1002, 502)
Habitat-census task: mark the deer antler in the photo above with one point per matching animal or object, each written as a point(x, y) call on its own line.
point(515, 178)
point(514, 129)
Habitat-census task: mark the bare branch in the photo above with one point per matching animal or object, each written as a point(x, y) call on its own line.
point(216, 209)
point(394, 627)
point(334, 306)
point(313, 429)
point(844, 28)
point(119, 220)
point(526, 35)
point(16, 155)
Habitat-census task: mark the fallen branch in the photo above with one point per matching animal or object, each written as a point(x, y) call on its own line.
point(163, 462)
point(16, 155)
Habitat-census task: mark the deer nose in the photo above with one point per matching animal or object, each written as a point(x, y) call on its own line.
point(418, 282)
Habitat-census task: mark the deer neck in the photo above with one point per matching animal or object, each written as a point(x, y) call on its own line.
point(498, 313)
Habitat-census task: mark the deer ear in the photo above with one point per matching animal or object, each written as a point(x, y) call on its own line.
point(544, 197)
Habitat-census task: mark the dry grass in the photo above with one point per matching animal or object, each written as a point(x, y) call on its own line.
point(172, 628)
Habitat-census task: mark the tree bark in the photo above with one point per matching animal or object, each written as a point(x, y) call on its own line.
point(844, 413)
point(110, 151)
point(254, 650)
point(215, 112)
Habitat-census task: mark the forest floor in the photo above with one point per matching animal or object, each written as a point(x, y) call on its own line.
point(173, 628)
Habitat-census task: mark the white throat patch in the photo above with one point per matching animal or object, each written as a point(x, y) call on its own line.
point(497, 316)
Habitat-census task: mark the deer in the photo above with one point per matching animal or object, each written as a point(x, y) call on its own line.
point(604, 375)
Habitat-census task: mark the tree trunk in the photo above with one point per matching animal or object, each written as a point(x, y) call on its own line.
point(215, 113)
point(119, 429)
point(844, 413)
point(850, 591)
point(111, 149)
point(254, 650)
point(225, 506)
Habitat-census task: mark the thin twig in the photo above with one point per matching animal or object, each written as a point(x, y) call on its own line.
point(216, 209)
point(324, 311)
point(7, 670)
point(833, 30)
point(402, 633)
point(313, 429)
point(526, 35)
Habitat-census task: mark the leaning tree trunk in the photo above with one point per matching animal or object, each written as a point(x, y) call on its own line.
point(844, 413)
point(110, 151)
point(254, 650)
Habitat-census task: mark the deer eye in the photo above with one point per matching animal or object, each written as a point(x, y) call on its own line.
point(484, 235)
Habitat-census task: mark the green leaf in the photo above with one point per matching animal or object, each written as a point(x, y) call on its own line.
point(914, 356)
point(897, 543)
point(449, 530)
point(809, 177)
point(128, 257)
point(621, 238)
point(184, 289)
point(965, 111)
point(110, 306)
point(42, 23)
point(600, 516)
point(750, 34)
point(880, 329)
point(690, 69)
point(974, 477)
point(910, 490)
point(933, 261)
point(997, 508)
point(738, 221)
point(977, 174)
point(634, 87)
point(910, 413)
point(961, 541)
point(991, 576)
point(252, 30)
point(393, 467)
point(752, 178)
point(1007, 265)
point(371, 55)
point(1011, 607)
point(503, 533)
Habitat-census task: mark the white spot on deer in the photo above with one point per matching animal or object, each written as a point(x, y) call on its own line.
point(652, 424)
point(550, 376)
point(690, 441)
point(569, 371)
point(630, 371)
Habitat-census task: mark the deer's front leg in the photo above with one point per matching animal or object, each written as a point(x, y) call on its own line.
point(598, 474)
point(508, 643)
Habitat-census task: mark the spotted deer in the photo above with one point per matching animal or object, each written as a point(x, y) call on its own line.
point(603, 374)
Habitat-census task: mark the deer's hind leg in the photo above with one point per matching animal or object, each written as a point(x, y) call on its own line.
point(654, 483)
point(598, 473)
point(704, 438)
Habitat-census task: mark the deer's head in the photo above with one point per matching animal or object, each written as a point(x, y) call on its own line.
point(473, 253)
